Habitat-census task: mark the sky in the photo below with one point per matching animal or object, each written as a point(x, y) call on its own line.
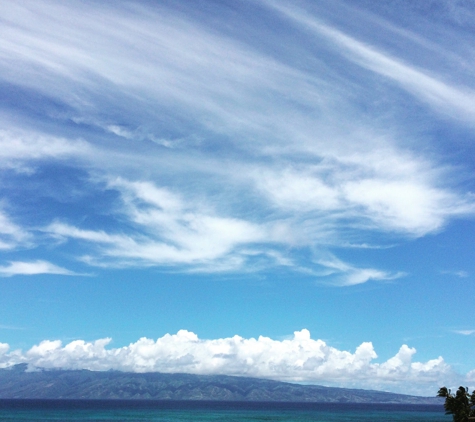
point(256, 188)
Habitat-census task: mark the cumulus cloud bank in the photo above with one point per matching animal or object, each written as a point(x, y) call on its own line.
point(298, 359)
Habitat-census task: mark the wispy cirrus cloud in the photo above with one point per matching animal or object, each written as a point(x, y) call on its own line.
point(12, 235)
point(32, 268)
point(227, 153)
point(465, 332)
point(345, 274)
point(10, 327)
point(389, 191)
point(168, 231)
point(460, 274)
point(457, 102)
point(23, 145)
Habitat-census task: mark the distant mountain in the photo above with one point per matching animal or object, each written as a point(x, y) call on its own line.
point(16, 382)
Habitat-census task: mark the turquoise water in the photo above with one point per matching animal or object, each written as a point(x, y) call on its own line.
point(99, 411)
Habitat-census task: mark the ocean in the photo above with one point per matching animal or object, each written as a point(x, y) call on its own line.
point(182, 411)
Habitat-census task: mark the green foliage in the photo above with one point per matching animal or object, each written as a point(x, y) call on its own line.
point(460, 405)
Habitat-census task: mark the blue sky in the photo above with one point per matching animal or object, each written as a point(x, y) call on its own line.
point(260, 188)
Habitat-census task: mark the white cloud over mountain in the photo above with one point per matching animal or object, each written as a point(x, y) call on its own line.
point(297, 359)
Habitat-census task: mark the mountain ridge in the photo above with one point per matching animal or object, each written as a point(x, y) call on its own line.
point(18, 383)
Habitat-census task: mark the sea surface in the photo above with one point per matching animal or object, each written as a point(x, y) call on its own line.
point(180, 411)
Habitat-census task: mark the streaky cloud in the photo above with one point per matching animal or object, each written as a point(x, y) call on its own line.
point(171, 231)
point(11, 234)
point(344, 274)
point(223, 155)
point(32, 268)
point(456, 101)
point(465, 332)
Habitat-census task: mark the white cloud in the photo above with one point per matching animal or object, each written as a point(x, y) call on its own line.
point(299, 359)
point(21, 145)
point(32, 268)
point(344, 274)
point(465, 332)
point(157, 55)
point(10, 327)
point(470, 376)
point(170, 231)
point(455, 101)
point(299, 191)
point(4, 348)
point(317, 170)
point(11, 235)
point(63, 231)
point(460, 274)
point(385, 189)
point(402, 205)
